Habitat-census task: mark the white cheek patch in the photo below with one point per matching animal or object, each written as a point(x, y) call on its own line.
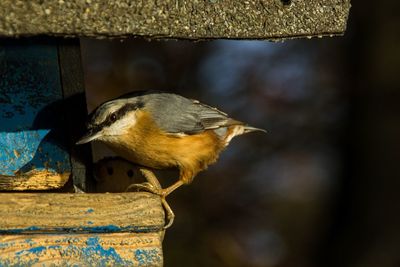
point(122, 125)
point(226, 135)
point(237, 130)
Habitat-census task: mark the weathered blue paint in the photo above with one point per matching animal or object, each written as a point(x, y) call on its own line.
point(22, 149)
point(18, 263)
point(106, 255)
point(144, 256)
point(34, 250)
point(83, 229)
point(7, 244)
point(94, 252)
point(19, 231)
point(87, 251)
point(30, 118)
point(90, 210)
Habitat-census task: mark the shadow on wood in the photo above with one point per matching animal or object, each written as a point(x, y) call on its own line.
point(42, 113)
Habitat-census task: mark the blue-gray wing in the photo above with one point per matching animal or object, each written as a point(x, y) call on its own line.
point(177, 114)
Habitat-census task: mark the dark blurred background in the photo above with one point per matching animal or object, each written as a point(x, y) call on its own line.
point(321, 188)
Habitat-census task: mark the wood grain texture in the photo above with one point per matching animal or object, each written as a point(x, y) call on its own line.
point(34, 180)
point(90, 213)
point(118, 249)
point(252, 19)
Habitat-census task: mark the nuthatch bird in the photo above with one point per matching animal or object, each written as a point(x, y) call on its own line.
point(162, 130)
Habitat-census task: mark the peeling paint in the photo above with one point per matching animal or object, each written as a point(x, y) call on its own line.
point(82, 250)
point(31, 141)
point(105, 255)
point(143, 256)
point(90, 210)
point(82, 229)
point(19, 151)
point(35, 250)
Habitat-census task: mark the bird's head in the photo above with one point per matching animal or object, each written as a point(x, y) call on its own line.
point(112, 119)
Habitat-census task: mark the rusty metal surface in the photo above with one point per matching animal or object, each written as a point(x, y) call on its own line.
point(252, 19)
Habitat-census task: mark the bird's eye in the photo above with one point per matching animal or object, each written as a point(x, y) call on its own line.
point(113, 117)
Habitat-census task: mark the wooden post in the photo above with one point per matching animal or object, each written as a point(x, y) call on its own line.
point(36, 79)
point(75, 110)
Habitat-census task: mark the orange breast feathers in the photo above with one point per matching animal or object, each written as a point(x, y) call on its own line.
point(146, 144)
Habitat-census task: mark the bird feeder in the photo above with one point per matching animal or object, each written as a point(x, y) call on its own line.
point(43, 109)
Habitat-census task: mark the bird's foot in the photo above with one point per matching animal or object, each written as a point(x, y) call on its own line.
point(153, 186)
point(146, 186)
point(170, 214)
point(142, 187)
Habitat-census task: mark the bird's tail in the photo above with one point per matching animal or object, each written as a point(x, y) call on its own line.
point(249, 129)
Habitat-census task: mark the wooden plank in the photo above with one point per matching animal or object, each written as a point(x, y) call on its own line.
point(32, 144)
point(252, 19)
point(91, 213)
point(75, 112)
point(119, 249)
point(34, 180)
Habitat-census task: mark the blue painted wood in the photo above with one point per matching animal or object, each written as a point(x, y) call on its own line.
point(56, 229)
point(31, 213)
point(111, 228)
point(128, 249)
point(31, 136)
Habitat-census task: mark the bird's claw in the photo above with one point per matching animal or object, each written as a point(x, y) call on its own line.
point(157, 191)
point(142, 187)
point(170, 214)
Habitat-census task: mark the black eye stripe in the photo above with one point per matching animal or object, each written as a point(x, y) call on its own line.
point(125, 109)
point(111, 118)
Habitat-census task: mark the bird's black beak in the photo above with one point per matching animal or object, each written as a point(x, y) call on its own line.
point(89, 136)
